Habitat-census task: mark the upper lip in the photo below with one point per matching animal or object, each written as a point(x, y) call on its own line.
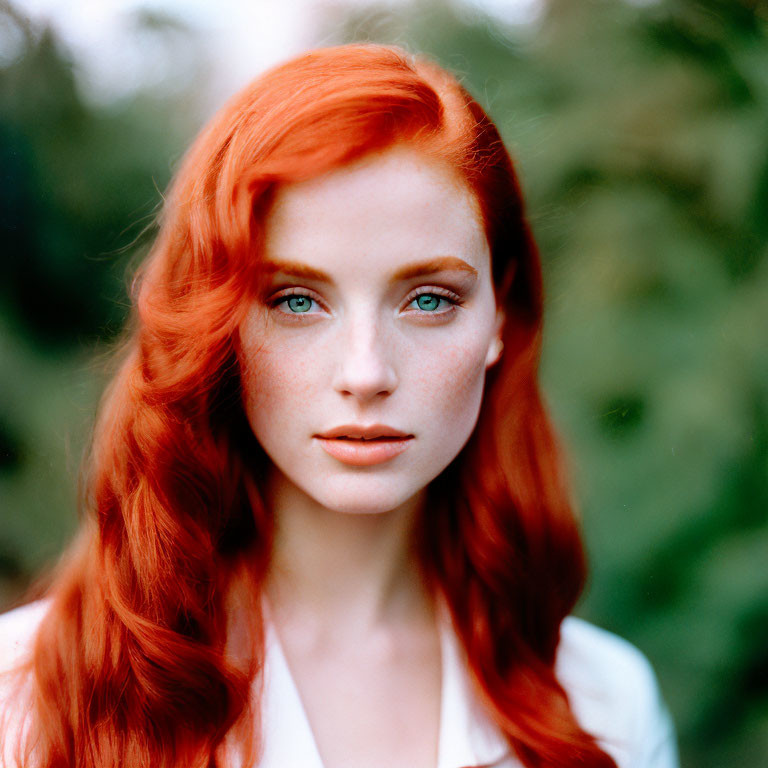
point(359, 432)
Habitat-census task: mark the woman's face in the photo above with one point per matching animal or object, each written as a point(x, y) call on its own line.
point(378, 321)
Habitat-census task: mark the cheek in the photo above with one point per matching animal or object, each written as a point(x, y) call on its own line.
point(276, 384)
point(452, 383)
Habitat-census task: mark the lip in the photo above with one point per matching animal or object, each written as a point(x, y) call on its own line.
point(361, 446)
point(358, 432)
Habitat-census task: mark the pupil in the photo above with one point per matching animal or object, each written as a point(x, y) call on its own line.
point(427, 302)
point(298, 303)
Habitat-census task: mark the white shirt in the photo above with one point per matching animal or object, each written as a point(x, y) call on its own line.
point(610, 685)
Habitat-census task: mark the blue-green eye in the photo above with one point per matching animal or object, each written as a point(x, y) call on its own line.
point(431, 302)
point(299, 303)
point(428, 302)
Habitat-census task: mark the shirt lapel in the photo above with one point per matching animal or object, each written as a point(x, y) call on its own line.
point(468, 737)
point(288, 739)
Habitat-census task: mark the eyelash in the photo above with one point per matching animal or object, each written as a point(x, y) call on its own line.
point(452, 298)
point(282, 298)
point(454, 301)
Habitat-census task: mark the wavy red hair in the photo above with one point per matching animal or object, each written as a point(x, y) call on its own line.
point(132, 664)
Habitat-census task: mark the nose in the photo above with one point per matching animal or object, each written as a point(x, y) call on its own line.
point(365, 370)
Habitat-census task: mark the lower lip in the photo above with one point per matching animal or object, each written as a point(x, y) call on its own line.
point(364, 453)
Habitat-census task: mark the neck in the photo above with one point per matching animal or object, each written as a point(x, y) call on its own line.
point(343, 573)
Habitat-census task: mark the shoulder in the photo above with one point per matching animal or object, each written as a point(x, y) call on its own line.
point(17, 634)
point(594, 660)
point(614, 695)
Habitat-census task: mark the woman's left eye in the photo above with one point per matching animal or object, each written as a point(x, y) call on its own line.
point(433, 303)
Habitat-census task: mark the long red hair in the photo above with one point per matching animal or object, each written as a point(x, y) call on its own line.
point(131, 665)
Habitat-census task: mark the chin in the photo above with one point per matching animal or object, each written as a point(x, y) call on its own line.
point(355, 498)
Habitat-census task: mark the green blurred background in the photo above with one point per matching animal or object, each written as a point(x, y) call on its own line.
point(641, 135)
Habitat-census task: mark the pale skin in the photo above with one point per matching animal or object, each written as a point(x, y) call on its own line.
point(354, 619)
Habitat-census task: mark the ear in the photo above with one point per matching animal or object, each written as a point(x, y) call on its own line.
point(496, 347)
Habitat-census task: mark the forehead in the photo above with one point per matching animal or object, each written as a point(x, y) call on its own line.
point(380, 212)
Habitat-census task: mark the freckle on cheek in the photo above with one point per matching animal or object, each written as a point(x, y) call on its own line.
point(455, 378)
point(272, 380)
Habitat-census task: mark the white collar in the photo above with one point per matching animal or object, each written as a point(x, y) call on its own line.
point(467, 737)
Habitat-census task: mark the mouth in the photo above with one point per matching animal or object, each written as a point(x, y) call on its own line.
point(364, 446)
point(371, 432)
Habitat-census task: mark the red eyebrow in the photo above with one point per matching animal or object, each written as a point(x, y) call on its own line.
point(432, 266)
point(297, 269)
point(409, 271)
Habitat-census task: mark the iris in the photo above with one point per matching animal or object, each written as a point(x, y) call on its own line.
point(299, 303)
point(428, 302)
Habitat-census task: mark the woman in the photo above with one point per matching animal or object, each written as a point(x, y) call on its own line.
point(326, 521)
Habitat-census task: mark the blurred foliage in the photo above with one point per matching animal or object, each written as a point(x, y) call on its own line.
point(641, 136)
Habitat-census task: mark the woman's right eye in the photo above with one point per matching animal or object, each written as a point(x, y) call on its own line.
point(298, 303)
point(295, 304)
